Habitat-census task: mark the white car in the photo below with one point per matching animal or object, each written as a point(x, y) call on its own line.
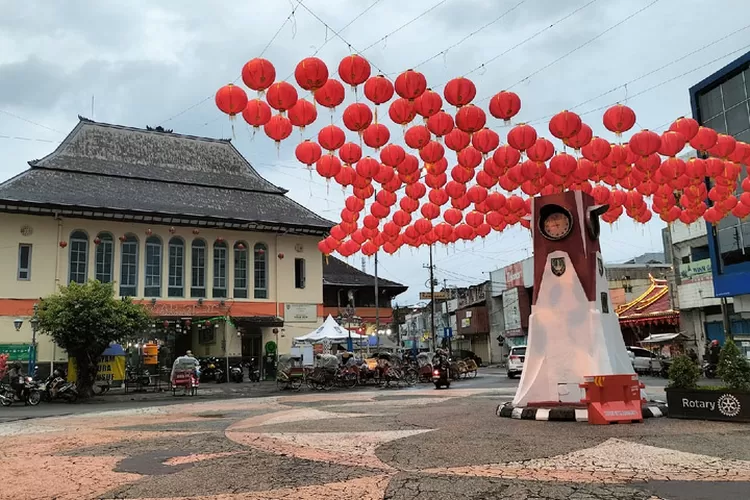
point(644, 361)
point(516, 358)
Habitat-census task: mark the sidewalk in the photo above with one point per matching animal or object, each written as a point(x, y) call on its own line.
point(208, 390)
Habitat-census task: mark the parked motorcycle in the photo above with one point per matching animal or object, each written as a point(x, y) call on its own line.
point(56, 387)
point(8, 395)
point(236, 373)
point(211, 370)
point(137, 377)
point(253, 372)
point(709, 370)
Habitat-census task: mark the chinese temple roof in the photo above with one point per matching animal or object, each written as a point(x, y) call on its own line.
point(652, 307)
point(337, 272)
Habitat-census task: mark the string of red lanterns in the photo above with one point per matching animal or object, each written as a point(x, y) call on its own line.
point(622, 175)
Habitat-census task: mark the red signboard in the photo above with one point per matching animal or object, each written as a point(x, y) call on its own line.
point(514, 275)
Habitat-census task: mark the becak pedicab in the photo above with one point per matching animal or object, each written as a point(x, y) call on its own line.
point(425, 367)
point(324, 374)
point(290, 373)
point(186, 375)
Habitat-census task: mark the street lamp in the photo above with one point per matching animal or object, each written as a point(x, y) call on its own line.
point(34, 322)
point(18, 323)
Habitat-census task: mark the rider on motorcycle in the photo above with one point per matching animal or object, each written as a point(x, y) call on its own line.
point(18, 382)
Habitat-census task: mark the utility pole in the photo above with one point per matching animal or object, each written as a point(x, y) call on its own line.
point(377, 307)
point(432, 302)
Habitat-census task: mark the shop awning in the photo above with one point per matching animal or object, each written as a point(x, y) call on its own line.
point(663, 338)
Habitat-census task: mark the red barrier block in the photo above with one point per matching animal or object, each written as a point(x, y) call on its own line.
point(613, 399)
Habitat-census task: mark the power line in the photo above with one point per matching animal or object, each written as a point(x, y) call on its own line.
point(407, 23)
point(28, 139)
point(37, 124)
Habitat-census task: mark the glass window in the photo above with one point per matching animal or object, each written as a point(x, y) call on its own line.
point(744, 137)
point(198, 269)
point(129, 266)
point(104, 258)
point(240, 270)
point(738, 119)
point(745, 232)
point(24, 262)
point(699, 253)
point(220, 270)
point(260, 259)
point(746, 76)
point(152, 286)
point(176, 284)
point(733, 91)
point(717, 123)
point(79, 249)
point(730, 246)
point(299, 273)
point(710, 103)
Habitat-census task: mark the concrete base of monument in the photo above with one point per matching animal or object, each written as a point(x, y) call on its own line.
point(567, 413)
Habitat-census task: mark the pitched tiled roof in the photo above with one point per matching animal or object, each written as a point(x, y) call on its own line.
point(338, 272)
point(101, 167)
point(653, 305)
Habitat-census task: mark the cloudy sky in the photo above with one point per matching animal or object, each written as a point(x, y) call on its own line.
point(141, 63)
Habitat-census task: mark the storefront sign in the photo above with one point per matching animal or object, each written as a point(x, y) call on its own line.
point(514, 275)
point(16, 352)
point(696, 271)
point(510, 310)
point(436, 296)
point(301, 313)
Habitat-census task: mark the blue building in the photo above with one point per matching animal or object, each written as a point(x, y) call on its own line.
point(722, 102)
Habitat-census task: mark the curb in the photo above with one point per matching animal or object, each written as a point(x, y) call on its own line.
point(567, 414)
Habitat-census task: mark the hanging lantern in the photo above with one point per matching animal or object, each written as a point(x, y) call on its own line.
point(436, 181)
point(354, 204)
point(430, 211)
point(346, 176)
point(354, 70)
point(476, 194)
point(541, 150)
point(462, 202)
point(331, 138)
point(581, 138)
point(311, 73)
point(357, 117)
point(440, 124)
point(172, 230)
point(410, 84)
point(505, 105)
point(417, 136)
point(522, 136)
point(278, 128)
point(408, 165)
point(644, 143)
point(302, 114)
point(308, 152)
point(486, 140)
point(63, 244)
point(563, 164)
point(437, 167)
point(596, 150)
point(196, 232)
point(565, 124)
point(257, 113)
point(402, 111)
point(148, 232)
point(506, 157)
point(428, 103)
point(368, 167)
point(438, 196)
point(469, 157)
point(378, 89)
point(671, 143)
point(408, 204)
point(392, 155)
point(470, 119)
point(331, 94)
point(324, 248)
point(619, 119)
point(415, 191)
point(457, 140)
point(376, 135)
point(432, 152)
point(281, 96)
point(258, 74)
point(462, 174)
point(350, 153)
point(704, 139)
point(97, 241)
point(725, 145)
point(231, 99)
point(328, 166)
point(685, 126)
point(460, 91)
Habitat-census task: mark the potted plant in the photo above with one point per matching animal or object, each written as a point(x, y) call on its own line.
point(729, 402)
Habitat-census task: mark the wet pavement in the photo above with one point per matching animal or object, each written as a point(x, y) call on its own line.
point(414, 443)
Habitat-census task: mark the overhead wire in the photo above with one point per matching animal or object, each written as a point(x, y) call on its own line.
point(31, 122)
point(407, 23)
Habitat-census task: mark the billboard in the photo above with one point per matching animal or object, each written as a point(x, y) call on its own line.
point(722, 102)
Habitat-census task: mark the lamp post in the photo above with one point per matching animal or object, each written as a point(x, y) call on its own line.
point(34, 322)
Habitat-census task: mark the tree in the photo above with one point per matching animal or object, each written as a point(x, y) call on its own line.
point(683, 374)
point(84, 320)
point(733, 369)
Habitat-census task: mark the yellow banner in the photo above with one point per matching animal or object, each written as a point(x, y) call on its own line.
point(111, 370)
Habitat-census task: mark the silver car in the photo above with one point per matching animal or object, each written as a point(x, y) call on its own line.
point(516, 357)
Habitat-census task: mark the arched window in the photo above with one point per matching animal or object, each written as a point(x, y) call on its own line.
point(79, 250)
point(153, 260)
point(220, 270)
point(260, 260)
point(198, 269)
point(240, 270)
point(176, 287)
point(105, 258)
point(129, 266)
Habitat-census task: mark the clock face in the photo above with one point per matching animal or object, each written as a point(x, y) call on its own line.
point(557, 225)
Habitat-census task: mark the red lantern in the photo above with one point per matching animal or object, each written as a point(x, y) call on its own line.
point(408, 165)
point(423, 226)
point(324, 248)
point(685, 126)
point(278, 128)
point(437, 195)
point(308, 152)
point(430, 211)
point(231, 99)
point(436, 181)
point(619, 119)
point(563, 164)
point(302, 114)
point(256, 113)
point(453, 216)
point(581, 138)
point(402, 111)
point(258, 74)
point(541, 150)
point(506, 157)
point(644, 143)
point(401, 218)
point(376, 135)
point(565, 124)
point(63, 244)
point(392, 155)
point(354, 70)
point(370, 222)
point(311, 73)
point(465, 232)
point(460, 91)
point(379, 210)
point(378, 89)
point(470, 119)
point(704, 139)
point(281, 96)
point(741, 150)
point(469, 157)
point(596, 150)
point(357, 117)
point(415, 191)
point(331, 94)
point(417, 136)
point(486, 180)
point(440, 124)
point(385, 175)
point(350, 153)
point(354, 204)
point(462, 174)
point(428, 103)
point(725, 146)
point(328, 166)
point(368, 167)
point(432, 152)
point(522, 137)
point(331, 137)
point(477, 194)
point(349, 216)
point(346, 176)
point(462, 202)
point(455, 189)
point(195, 232)
point(457, 140)
point(671, 143)
point(485, 140)
point(410, 84)
point(505, 105)
point(474, 219)
point(408, 204)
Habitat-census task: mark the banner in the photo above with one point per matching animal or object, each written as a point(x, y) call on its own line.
point(16, 352)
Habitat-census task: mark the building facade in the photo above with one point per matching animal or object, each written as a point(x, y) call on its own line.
point(224, 261)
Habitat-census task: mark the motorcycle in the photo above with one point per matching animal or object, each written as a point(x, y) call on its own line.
point(56, 387)
point(236, 373)
point(211, 371)
point(709, 370)
point(137, 377)
point(253, 372)
point(8, 395)
point(441, 377)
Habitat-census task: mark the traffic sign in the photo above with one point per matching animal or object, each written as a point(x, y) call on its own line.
point(448, 332)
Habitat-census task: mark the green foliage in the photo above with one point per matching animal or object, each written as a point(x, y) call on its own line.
point(684, 373)
point(85, 319)
point(733, 368)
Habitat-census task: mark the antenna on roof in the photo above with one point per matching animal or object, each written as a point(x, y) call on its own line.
point(92, 107)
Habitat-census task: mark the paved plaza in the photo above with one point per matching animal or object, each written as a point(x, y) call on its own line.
point(397, 444)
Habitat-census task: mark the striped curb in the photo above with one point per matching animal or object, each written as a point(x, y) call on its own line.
point(567, 414)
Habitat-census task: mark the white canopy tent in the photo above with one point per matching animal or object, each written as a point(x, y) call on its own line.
point(330, 330)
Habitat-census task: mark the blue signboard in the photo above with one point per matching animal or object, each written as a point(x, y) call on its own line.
point(448, 332)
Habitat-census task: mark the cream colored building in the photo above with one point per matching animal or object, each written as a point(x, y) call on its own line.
point(183, 224)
